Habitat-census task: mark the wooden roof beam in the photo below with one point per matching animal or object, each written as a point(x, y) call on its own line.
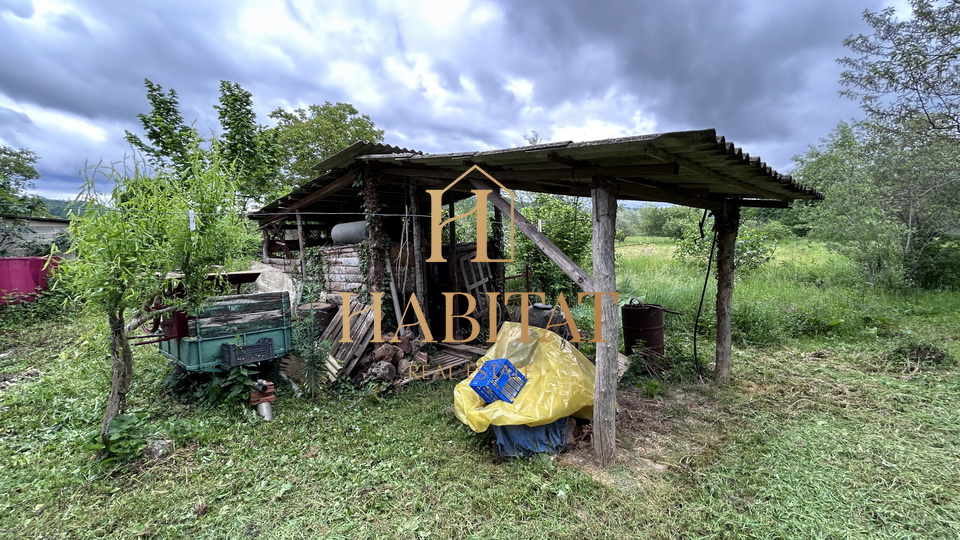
point(657, 169)
point(630, 188)
point(321, 193)
point(663, 155)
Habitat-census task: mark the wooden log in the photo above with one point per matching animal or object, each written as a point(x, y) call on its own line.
point(605, 279)
point(574, 272)
point(301, 239)
point(726, 225)
point(420, 288)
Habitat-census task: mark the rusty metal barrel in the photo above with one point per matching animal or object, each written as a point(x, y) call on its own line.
point(642, 327)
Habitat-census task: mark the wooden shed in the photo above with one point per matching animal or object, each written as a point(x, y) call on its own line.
point(386, 186)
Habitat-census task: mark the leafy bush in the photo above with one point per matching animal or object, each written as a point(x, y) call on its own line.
point(128, 435)
point(212, 389)
point(49, 305)
point(937, 266)
point(568, 225)
point(753, 248)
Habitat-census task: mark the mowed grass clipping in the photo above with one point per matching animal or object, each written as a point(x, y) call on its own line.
point(822, 434)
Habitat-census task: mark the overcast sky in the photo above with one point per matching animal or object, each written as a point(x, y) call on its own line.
point(436, 76)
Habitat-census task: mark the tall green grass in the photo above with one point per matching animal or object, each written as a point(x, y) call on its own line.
point(805, 291)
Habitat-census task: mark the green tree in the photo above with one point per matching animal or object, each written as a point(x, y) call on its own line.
point(308, 136)
point(908, 68)
point(568, 224)
point(127, 244)
point(172, 140)
point(250, 149)
point(17, 173)
point(853, 219)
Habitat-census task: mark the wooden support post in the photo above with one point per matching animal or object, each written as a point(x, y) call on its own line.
point(302, 238)
point(419, 283)
point(499, 269)
point(605, 279)
point(726, 224)
point(378, 240)
point(266, 246)
point(454, 261)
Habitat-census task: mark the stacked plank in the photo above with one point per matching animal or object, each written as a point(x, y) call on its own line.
point(346, 354)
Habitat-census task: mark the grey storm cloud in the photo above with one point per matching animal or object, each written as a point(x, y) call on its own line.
point(762, 73)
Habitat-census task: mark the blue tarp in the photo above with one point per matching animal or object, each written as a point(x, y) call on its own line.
point(524, 441)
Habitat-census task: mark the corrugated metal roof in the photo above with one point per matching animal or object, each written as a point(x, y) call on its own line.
point(709, 170)
point(346, 156)
point(705, 159)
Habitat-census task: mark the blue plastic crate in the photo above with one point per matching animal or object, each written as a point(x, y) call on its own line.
point(498, 379)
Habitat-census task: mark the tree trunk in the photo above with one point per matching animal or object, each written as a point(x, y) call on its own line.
point(121, 373)
point(605, 280)
point(726, 225)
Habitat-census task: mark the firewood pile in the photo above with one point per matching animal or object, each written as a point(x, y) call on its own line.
point(395, 360)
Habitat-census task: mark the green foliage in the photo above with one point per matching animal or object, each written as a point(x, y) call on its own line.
point(652, 220)
point(909, 67)
point(138, 245)
point(128, 243)
point(230, 387)
point(651, 388)
point(937, 266)
point(568, 225)
point(17, 173)
point(247, 151)
point(211, 390)
point(308, 136)
point(753, 248)
point(49, 305)
point(889, 197)
point(128, 435)
point(175, 144)
point(313, 352)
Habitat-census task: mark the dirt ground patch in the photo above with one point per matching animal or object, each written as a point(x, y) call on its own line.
point(10, 379)
point(653, 436)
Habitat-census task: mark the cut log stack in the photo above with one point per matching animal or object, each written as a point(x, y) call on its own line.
point(394, 362)
point(399, 362)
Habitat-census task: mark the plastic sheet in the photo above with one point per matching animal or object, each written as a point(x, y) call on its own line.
point(559, 382)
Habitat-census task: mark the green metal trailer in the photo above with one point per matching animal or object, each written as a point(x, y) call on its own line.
point(231, 330)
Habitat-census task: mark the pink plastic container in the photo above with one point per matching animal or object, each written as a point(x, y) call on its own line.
point(22, 277)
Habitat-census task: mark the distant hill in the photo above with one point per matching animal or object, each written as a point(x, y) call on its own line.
point(57, 207)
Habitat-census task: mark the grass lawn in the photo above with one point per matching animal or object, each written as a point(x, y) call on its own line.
point(829, 430)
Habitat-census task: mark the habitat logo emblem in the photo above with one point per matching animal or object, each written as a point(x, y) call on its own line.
point(437, 223)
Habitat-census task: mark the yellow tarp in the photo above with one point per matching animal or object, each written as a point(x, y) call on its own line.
point(559, 382)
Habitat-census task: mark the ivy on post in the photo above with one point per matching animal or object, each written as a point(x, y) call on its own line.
point(379, 242)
